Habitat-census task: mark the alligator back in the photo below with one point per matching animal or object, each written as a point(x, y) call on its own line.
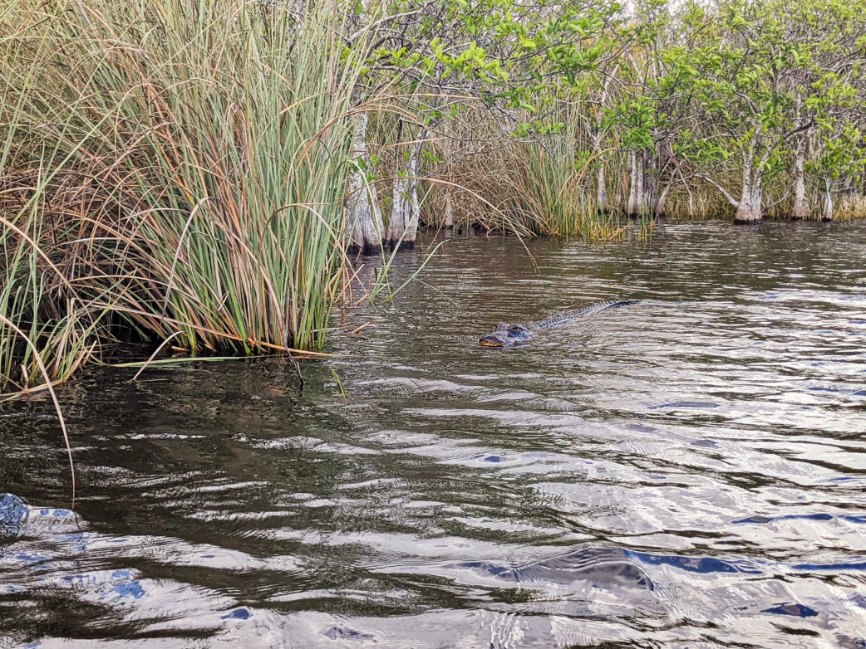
point(563, 318)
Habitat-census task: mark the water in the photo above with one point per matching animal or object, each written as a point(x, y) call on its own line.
point(686, 472)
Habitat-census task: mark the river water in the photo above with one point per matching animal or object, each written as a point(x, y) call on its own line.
point(685, 472)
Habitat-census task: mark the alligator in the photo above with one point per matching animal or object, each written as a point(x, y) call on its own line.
point(506, 335)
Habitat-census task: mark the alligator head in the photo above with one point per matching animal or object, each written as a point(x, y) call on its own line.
point(505, 335)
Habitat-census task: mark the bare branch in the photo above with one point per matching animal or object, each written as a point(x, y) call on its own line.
point(733, 201)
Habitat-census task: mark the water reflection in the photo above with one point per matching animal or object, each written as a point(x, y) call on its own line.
point(686, 472)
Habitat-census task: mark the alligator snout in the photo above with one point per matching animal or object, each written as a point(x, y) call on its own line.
point(505, 335)
point(493, 340)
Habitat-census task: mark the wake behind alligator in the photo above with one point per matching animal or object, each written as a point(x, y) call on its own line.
point(512, 334)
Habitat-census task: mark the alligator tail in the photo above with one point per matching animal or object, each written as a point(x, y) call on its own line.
point(571, 315)
point(619, 303)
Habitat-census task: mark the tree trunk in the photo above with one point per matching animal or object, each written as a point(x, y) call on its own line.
point(399, 207)
point(363, 214)
point(650, 184)
point(601, 195)
point(405, 213)
point(597, 134)
point(801, 202)
point(660, 209)
point(827, 214)
point(632, 208)
point(620, 196)
point(752, 196)
point(448, 224)
point(448, 219)
point(414, 203)
point(749, 207)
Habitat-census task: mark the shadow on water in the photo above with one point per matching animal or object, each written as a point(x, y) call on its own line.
point(688, 471)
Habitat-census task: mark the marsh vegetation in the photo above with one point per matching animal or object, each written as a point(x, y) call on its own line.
point(202, 172)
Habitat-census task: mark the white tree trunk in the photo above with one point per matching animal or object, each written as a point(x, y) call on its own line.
point(448, 217)
point(660, 206)
point(801, 202)
point(619, 197)
point(650, 183)
point(827, 214)
point(597, 134)
point(632, 208)
point(406, 209)
point(749, 207)
point(414, 203)
point(399, 207)
point(363, 214)
point(601, 194)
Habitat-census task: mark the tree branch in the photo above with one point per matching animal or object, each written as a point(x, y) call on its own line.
point(772, 205)
point(725, 193)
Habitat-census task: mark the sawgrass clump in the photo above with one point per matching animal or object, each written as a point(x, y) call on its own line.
point(173, 167)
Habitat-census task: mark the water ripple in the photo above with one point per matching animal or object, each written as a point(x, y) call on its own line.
point(688, 471)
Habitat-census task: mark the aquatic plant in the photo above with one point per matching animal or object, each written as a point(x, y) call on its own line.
point(209, 146)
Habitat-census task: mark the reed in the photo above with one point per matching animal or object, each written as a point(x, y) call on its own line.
point(556, 194)
point(209, 141)
point(538, 186)
point(45, 333)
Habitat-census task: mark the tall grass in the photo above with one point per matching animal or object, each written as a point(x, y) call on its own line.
point(43, 328)
point(208, 142)
point(556, 193)
point(45, 333)
point(539, 186)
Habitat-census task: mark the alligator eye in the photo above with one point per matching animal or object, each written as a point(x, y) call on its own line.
point(517, 329)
